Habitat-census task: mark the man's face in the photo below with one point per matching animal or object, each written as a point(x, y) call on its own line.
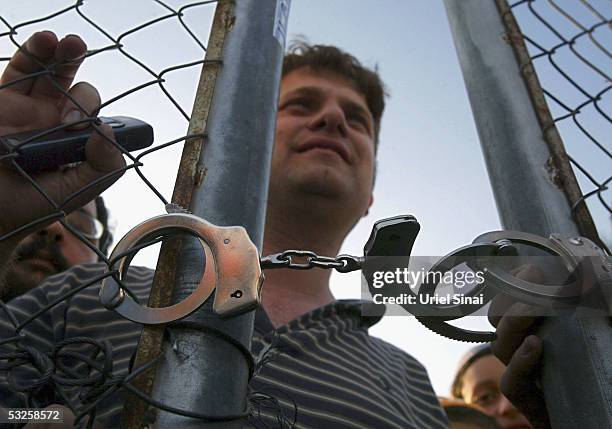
point(324, 141)
point(481, 388)
point(50, 251)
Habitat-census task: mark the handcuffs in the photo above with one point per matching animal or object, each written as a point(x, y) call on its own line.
point(234, 269)
point(589, 275)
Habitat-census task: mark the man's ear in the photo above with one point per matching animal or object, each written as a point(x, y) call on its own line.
point(369, 204)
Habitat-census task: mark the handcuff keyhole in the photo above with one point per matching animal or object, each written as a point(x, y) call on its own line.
point(236, 294)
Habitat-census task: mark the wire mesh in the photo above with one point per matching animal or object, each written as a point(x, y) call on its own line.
point(145, 58)
point(124, 66)
point(570, 45)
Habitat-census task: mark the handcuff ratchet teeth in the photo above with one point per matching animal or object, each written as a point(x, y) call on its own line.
point(230, 257)
point(576, 255)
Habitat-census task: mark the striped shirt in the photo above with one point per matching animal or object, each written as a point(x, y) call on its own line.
point(323, 365)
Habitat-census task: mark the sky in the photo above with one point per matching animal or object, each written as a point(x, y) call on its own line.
point(429, 162)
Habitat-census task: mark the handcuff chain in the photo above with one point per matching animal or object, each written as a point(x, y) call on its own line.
point(287, 259)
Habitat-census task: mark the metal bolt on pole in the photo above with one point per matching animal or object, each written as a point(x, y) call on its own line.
point(577, 368)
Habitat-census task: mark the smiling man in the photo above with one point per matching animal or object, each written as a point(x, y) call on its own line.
point(322, 169)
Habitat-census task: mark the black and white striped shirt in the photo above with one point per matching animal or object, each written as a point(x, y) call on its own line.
point(323, 362)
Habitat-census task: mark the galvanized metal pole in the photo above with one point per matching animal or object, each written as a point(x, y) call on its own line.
point(523, 170)
point(199, 371)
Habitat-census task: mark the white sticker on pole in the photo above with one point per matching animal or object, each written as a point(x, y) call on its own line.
point(281, 21)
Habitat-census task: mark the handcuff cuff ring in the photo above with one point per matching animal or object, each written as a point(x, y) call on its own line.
point(232, 267)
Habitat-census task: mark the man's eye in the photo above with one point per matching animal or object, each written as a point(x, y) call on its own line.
point(298, 103)
point(486, 398)
point(358, 121)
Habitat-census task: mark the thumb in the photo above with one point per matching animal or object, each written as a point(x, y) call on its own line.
point(83, 102)
point(101, 153)
point(103, 166)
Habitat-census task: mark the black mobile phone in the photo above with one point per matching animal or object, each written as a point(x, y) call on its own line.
point(68, 146)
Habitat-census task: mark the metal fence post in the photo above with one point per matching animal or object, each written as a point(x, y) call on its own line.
point(199, 371)
point(522, 165)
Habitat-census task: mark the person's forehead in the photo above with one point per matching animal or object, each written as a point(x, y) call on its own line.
point(325, 80)
point(483, 369)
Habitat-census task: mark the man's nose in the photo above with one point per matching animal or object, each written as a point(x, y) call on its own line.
point(331, 119)
point(55, 231)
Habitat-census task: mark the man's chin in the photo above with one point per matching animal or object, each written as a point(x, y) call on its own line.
point(323, 187)
point(324, 182)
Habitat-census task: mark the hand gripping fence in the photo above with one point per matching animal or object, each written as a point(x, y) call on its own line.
point(230, 136)
point(534, 185)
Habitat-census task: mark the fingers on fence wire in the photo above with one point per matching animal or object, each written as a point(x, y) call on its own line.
point(43, 51)
point(32, 100)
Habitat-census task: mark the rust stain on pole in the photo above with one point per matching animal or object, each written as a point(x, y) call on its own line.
point(559, 163)
point(150, 343)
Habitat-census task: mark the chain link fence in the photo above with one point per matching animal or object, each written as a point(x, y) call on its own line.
point(129, 74)
point(570, 47)
point(145, 58)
